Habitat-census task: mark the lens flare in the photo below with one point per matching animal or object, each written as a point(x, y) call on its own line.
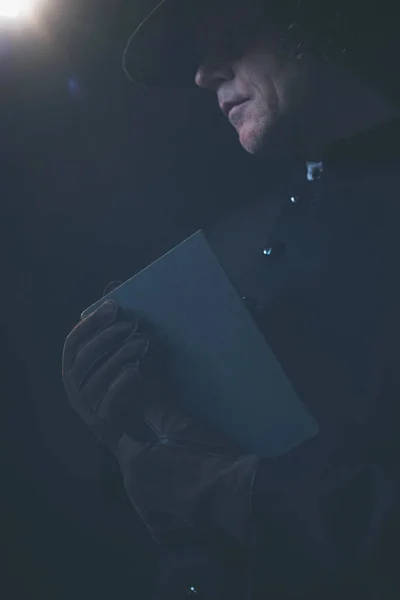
point(15, 9)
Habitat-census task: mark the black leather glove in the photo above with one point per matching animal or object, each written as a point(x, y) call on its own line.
point(179, 473)
point(100, 363)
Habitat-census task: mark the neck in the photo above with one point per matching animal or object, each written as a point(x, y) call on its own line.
point(351, 107)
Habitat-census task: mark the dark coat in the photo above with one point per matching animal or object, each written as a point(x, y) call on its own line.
point(326, 296)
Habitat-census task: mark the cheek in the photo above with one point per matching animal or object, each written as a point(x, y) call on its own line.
point(260, 121)
point(265, 105)
point(269, 93)
point(260, 79)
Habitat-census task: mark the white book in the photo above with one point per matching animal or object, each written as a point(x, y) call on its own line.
point(220, 363)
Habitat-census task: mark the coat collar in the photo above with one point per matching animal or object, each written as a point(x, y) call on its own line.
point(377, 146)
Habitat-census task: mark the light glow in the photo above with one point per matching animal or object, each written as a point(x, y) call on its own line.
point(15, 9)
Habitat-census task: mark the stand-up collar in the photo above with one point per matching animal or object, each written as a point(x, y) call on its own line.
point(380, 145)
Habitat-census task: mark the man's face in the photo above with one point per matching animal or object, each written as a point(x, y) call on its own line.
point(262, 88)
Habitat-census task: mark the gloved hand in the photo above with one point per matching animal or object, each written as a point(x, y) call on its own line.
point(179, 474)
point(100, 357)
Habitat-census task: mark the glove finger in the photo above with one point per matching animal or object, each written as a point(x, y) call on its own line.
point(132, 352)
point(95, 351)
point(85, 329)
point(119, 394)
point(120, 405)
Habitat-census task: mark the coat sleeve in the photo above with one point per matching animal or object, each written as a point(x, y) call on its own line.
point(342, 522)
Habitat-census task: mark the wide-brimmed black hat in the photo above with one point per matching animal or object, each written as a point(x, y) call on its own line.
point(161, 52)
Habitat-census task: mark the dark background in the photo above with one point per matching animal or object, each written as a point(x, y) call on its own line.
point(98, 178)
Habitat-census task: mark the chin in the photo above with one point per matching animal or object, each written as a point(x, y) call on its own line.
point(250, 144)
point(259, 132)
point(252, 139)
point(264, 138)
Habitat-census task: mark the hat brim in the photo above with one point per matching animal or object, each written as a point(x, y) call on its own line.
point(161, 52)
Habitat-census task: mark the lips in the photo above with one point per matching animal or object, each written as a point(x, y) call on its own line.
point(226, 107)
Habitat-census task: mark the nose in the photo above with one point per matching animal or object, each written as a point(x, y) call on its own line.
point(211, 76)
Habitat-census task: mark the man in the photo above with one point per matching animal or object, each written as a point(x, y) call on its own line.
point(317, 266)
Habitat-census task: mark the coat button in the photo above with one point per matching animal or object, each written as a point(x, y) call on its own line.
point(251, 303)
point(274, 250)
point(192, 593)
point(296, 204)
point(298, 201)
